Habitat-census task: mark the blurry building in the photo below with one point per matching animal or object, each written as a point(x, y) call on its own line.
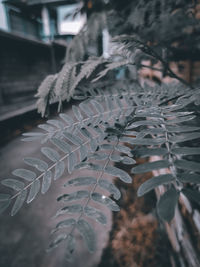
point(33, 41)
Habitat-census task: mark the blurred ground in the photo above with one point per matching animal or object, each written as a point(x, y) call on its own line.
point(24, 237)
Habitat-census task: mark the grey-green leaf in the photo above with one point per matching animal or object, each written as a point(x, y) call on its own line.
point(50, 153)
point(59, 170)
point(128, 160)
point(88, 234)
point(167, 204)
point(95, 214)
point(121, 174)
point(46, 181)
point(112, 205)
point(13, 183)
point(184, 137)
point(150, 166)
point(76, 208)
point(67, 119)
point(181, 129)
point(187, 165)
point(143, 141)
point(192, 194)
point(73, 138)
point(72, 160)
point(83, 152)
point(77, 113)
point(180, 119)
point(35, 188)
point(62, 145)
point(111, 188)
point(81, 181)
point(64, 224)
point(186, 150)
point(19, 202)
point(37, 163)
point(25, 174)
point(189, 178)
point(154, 182)
point(74, 196)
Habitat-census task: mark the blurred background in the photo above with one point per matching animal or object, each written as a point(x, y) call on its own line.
point(34, 36)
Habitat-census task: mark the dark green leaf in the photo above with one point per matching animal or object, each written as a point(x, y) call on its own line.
point(25, 174)
point(95, 214)
point(189, 178)
point(154, 182)
point(186, 150)
point(187, 165)
point(167, 204)
point(88, 234)
point(192, 194)
point(150, 166)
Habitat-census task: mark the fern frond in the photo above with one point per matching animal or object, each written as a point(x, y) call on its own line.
point(46, 93)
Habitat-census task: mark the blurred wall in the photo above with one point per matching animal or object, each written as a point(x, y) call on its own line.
point(24, 64)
